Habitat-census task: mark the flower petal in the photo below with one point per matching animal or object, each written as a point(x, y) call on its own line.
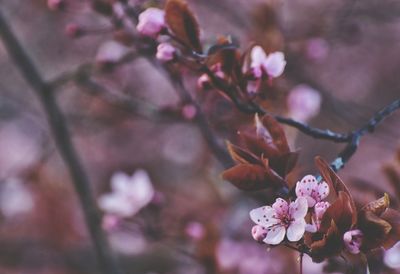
point(120, 182)
point(275, 235)
point(298, 209)
point(258, 57)
point(264, 216)
point(306, 187)
point(322, 191)
point(281, 207)
point(296, 230)
point(275, 64)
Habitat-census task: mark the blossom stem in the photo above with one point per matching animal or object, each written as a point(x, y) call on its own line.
point(301, 262)
point(62, 138)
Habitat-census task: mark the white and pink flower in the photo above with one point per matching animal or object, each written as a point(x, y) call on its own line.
point(312, 190)
point(353, 240)
point(129, 194)
point(316, 217)
point(151, 22)
point(165, 52)
point(282, 219)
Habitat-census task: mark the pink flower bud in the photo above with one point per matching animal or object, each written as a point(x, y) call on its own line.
point(353, 240)
point(189, 111)
point(320, 209)
point(73, 30)
point(275, 64)
point(195, 230)
point(110, 222)
point(151, 22)
point(204, 82)
point(165, 52)
point(303, 103)
point(259, 233)
point(55, 4)
point(110, 52)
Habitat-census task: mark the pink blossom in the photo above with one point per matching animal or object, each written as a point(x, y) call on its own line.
point(303, 103)
point(312, 190)
point(165, 52)
point(282, 219)
point(319, 210)
point(110, 222)
point(151, 22)
point(259, 233)
point(353, 240)
point(110, 52)
point(273, 64)
point(189, 111)
point(129, 194)
point(195, 230)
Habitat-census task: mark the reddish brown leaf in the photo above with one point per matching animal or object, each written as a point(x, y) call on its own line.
point(183, 23)
point(330, 245)
point(393, 218)
point(252, 177)
point(343, 212)
point(241, 155)
point(330, 177)
point(375, 229)
point(259, 146)
point(277, 133)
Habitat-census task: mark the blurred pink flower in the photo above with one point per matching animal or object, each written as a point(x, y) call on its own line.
point(312, 190)
point(165, 52)
point(317, 49)
point(303, 103)
point(353, 240)
point(195, 230)
point(110, 52)
point(15, 198)
point(189, 111)
point(110, 222)
point(282, 219)
point(151, 22)
point(273, 64)
point(392, 257)
point(129, 194)
point(230, 256)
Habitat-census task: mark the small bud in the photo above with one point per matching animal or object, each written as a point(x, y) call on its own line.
point(165, 52)
point(110, 222)
point(73, 30)
point(204, 82)
point(259, 233)
point(195, 230)
point(151, 22)
point(189, 111)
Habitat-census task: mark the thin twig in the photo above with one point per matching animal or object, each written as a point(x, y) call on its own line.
point(62, 138)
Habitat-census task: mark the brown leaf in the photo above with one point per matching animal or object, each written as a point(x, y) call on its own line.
point(330, 245)
point(277, 133)
point(183, 23)
point(378, 206)
point(252, 177)
point(375, 229)
point(330, 177)
point(258, 145)
point(241, 155)
point(393, 218)
point(343, 212)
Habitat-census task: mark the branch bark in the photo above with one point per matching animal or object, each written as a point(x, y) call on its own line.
point(63, 141)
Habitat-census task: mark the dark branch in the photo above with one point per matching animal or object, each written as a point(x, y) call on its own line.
point(62, 138)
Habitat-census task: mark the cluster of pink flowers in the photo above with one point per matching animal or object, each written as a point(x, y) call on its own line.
point(152, 24)
point(283, 218)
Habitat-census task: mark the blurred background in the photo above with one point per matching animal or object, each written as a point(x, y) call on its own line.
point(130, 117)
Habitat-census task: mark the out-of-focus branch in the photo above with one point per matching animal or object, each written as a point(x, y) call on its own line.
point(62, 138)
